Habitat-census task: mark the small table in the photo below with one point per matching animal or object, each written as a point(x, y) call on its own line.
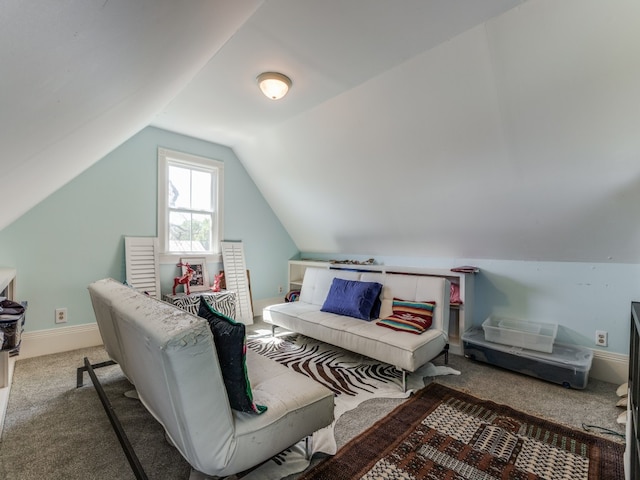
point(223, 301)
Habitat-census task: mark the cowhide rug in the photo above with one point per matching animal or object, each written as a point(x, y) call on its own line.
point(353, 378)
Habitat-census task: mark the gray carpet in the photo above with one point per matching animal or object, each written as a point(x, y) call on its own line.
point(55, 431)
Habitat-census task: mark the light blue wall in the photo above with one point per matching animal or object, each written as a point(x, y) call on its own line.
point(580, 297)
point(75, 236)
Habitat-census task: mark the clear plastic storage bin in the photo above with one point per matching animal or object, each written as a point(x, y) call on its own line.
point(568, 365)
point(518, 333)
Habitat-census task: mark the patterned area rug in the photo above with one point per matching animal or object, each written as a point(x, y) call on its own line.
point(441, 433)
point(353, 378)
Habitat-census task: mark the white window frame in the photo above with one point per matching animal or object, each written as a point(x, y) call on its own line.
point(168, 157)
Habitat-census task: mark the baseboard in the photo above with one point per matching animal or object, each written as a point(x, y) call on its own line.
point(606, 366)
point(610, 367)
point(57, 340)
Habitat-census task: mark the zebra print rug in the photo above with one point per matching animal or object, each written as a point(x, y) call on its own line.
point(342, 372)
point(352, 377)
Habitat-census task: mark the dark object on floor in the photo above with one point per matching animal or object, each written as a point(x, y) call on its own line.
point(134, 462)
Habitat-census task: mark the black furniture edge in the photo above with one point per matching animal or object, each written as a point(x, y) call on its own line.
point(135, 464)
point(80, 371)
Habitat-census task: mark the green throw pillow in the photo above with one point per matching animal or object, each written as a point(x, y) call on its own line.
point(230, 340)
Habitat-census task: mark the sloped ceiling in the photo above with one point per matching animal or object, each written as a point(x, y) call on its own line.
point(79, 77)
point(495, 129)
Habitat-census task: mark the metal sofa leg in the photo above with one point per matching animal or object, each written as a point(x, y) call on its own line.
point(308, 443)
point(445, 352)
point(80, 371)
point(135, 464)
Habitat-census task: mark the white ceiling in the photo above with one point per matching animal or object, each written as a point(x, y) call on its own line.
point(453, 128)
point(326, 47)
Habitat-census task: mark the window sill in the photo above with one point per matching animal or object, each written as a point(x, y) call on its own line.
point(174, 258)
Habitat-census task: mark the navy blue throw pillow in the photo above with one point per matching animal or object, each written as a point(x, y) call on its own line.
point(353, 299)
point(230, 340)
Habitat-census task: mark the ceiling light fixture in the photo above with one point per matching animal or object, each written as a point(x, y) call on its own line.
point(274, 85)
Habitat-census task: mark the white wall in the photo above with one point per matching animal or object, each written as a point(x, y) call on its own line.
point(514, 140)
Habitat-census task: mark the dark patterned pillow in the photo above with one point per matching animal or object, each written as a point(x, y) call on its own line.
point(408, 316)
point(230, 339)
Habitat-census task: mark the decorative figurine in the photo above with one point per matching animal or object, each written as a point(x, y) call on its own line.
point(217, 282)
point(184, 279)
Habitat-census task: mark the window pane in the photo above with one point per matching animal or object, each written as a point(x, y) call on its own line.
point(189, 232)
point(179, 187)
point(179, 232)
point(201, 191)
point(201, 233)
point(189, 203)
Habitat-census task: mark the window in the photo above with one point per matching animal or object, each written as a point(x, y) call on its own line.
point(190, 193)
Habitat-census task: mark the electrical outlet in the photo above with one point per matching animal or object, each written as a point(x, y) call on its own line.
point(61, 315)
point(280, 289)
point(602, 338)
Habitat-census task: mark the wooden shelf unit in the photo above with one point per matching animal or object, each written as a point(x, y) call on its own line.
point(460, 316)
point(297, 269)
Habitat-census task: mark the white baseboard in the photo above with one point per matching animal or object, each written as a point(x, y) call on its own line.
point(610, 367)
point(57, 340)
point(606, 366)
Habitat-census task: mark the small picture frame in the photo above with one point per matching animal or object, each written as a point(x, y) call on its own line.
point(200, 280)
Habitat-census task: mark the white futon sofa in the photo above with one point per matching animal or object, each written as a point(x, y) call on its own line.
point(170, 357)
point(406, 351)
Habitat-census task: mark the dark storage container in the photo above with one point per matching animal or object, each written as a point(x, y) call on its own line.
point(11, 331)
point(567, 365)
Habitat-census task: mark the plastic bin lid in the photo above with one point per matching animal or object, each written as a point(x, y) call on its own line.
point(576, 356)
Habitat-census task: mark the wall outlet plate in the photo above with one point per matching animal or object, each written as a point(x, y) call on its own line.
point(61, 315)
point(602, 338)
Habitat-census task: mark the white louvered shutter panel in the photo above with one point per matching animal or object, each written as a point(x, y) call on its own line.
point(235, 276)
point(141, 263)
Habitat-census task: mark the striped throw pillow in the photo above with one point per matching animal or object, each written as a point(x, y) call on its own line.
point(408, 316)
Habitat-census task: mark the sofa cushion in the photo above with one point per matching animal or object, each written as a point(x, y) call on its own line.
point(229, 337)
point(353, 299)
point(408, 316)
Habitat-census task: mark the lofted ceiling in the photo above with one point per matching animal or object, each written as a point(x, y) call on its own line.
point(327, 48)
point(441, 128)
